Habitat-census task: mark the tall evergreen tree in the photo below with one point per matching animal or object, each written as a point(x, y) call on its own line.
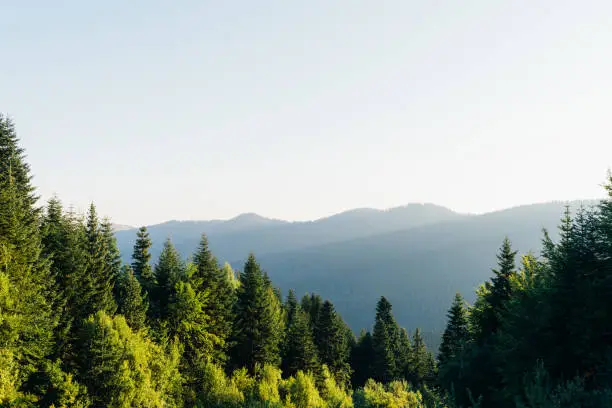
point(210, 277)
point(25, 270)
point(169, 270)
point(141, 261)
point(100, 279)
point(300, 352)
point(422, 366)
point(362, 359)
point(384, 339)
point(312, 304)
point(132, 302)
point(332, 343)
point(456, 333)
point(259, 326)
point(58, 242)
point(113, 256)
point(291, 307)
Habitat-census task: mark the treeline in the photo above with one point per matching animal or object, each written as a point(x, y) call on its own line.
point(540, 334)
point(79, 328)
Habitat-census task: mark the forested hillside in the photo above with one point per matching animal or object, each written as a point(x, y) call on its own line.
point(231, 239)
point(79, 327)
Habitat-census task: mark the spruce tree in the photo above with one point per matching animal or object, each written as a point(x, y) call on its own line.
point(258, 327)
point(291, 307)
point(456, 333)
point(58, 247)
point(132, 302)
point(141, 261)
point(421, 363)
point(100, 279)
point(113, 256)
point(25, 270)
point(169, 270)
point(213, 279)
point(362, 359)
point(189, 323)
point(332, 343)
point(300, 352)
point(384, 339)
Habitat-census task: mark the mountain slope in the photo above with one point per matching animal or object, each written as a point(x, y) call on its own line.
point(234, 239)
point(417, 269)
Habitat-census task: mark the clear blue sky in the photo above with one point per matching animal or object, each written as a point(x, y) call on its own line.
point(162, 110)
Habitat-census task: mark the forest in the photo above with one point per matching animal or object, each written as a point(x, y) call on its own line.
point(81, 328)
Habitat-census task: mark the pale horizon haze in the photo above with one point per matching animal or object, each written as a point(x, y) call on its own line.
point(164, 110)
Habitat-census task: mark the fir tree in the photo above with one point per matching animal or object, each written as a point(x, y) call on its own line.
point(132, 304)
point(169, 270)
point(258, 328)
point(456, 333)
point(422, 364)
point(28, 282)
point(100, 277)
point(211, 278)
point(384, 338)
point(141, 261)
point(300, 352)
point(362, 359)
point(332, 345)
point(291, 307)
point(113, 256)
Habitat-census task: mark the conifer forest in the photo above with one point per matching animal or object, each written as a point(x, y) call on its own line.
point(79, 327)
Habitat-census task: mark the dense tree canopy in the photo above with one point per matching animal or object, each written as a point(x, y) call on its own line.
point(80, 329)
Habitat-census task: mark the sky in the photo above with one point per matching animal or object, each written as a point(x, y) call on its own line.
point(195, 109)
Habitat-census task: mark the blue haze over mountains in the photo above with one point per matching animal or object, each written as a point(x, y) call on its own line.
point(417, 255)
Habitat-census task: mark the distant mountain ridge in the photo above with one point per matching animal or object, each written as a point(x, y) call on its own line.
point(232, 239)
point(417, 255)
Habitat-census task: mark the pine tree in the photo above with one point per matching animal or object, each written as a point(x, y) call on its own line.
point(332, 345)
point(500, 289)
point(422, 363)
point(312, 305)
point(189, 323)
point(456, 333)
point(132, 302)
point(30, 286)
point(259, 322)
point(169, 270)
point(384, 339)
point(291, 307)
point(58, 247)
point(403, 356)
point(141, 261)
point(99, 283)
point(300, 352)
point(210, 277)
point(113, 256)
point(362, 359)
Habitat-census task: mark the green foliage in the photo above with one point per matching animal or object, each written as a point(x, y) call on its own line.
point(169, 270)
point(132, 302)
point(189, 323)
point(124, 369)
point(362, 358)
point(332, 343)
point(141, 261)
point(456, 333)
point(300, 352)
point(397, 394)
point(210, 278)
point(258, 327)
point(100, 264)
point(29, 294)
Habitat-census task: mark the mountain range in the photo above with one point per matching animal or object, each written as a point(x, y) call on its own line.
point(416, 255)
